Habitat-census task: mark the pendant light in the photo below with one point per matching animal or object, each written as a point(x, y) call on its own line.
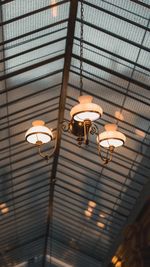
point(85, 112)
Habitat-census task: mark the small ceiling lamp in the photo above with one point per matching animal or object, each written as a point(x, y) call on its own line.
point(101, 225)
point(110, 139)
point(118, 264)
point(38, 135)
point(114, 259)
point(92, 204)
point(88, 213)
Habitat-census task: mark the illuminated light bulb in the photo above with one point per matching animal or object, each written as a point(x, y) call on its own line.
point(54, 9)
point(114, 259)
point(2, 206)
point(101, 225)
point(92, 204)
point(118, 264)
point(102, 215)
point(4, 210)
point(87, 213)
point(90, 209)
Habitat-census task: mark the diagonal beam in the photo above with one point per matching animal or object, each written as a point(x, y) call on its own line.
point(62, 102)
point(113, 72)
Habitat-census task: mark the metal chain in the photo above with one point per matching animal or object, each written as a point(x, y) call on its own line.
point(81, 47)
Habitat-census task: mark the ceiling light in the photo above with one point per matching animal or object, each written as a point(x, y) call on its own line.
point(114, 259)
point(87, 213)
point(2, 205)
point(102, 215)
point(118, 264)
point(92, 204)
point(90, 209)
point(101, 225)
point(110, 139)
point(38, 135)
point(86, 110)
point(4, 210)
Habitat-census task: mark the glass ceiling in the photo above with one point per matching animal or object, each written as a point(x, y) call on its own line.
point(39, 79)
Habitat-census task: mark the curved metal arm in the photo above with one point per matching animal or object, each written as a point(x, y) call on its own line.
point(65, 125)
point(93, 129)
point(45, 155)
point(109, 154)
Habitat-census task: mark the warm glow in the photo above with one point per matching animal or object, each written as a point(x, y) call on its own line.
point(114, 259)
point(57, 262)
point(118, 264)
point(86, 110)
point(90, 209)
point(111, 137)
point(92, 204)
point(5, 210)
point(101, 225)
point(87, 213)
point(54, 9)
point(140, 133)
point(2, 206)
point(102, 215)
point(39, 133)
point(119, 116)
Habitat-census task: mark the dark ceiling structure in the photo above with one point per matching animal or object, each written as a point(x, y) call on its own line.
point(42, 204)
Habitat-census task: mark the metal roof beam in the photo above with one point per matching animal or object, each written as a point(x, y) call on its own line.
point(33, 32)
point(65, 79)
point(115, 35)
point(117, 15)
point(113, 72)
point(31, 67)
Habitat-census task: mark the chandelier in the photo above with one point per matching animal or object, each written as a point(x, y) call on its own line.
point(82, 122)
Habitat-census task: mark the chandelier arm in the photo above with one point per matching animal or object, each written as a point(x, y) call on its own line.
point(109, 156)
point(86, 134)
point(65, 125)
point(47, 156)
point(94, 129)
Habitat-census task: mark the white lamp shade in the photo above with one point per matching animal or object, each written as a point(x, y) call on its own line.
point(86, 110)
point(111, 137)
point(38, 133)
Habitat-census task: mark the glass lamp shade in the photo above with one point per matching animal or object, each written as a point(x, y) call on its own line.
point(38, 134)
point(111, 137)
point(86, 110)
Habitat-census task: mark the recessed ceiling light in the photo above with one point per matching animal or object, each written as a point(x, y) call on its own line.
point(114, 259)
point(101, 225)
point(118, 264)
point(87, 213)
point(4, 210)
point(2, 206)
point(90, 209)
point(92, 204)
point(102, 215)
